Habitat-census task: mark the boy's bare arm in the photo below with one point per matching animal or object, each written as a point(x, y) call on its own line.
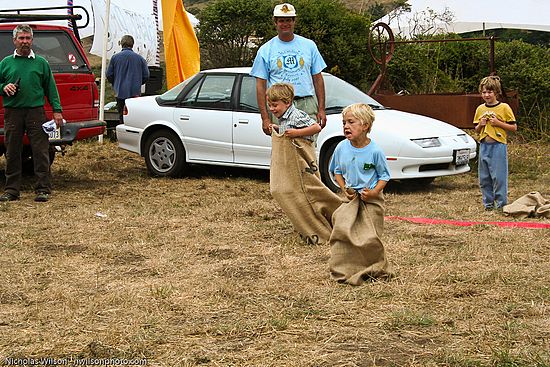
point(366, 193)
point(342, 184)
point(482, 122)
point(306, 131)
point(502, 124)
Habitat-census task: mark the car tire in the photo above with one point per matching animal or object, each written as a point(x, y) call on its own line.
point(326, 176)
point(164, 154)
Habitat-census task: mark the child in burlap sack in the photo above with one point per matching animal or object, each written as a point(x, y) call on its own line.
point(359, 166)
point(294, 179)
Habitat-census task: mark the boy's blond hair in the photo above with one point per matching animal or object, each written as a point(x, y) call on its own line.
point(491, 83)
point(361, 111)
point(283, 92)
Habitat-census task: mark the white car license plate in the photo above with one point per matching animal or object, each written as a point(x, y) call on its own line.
point(55, 135)
point(461, 157)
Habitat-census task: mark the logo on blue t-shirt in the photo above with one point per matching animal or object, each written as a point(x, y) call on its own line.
point(290, 62)
point(368, 166)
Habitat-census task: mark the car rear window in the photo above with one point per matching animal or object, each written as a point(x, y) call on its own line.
point(55, 46)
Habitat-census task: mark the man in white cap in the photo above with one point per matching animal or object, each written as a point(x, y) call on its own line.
point(290, 58)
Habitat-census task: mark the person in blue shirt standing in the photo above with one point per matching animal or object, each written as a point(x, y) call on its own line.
point(359, 166)
point(290, 58)
point(127, 72)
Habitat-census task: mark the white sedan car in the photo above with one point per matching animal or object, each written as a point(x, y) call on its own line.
point(212, 118)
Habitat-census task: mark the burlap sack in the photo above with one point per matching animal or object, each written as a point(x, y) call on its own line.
point(356, 251)
point(529, 205)
point(295, 184)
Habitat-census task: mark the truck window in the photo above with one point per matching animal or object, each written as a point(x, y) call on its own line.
point(55, 46)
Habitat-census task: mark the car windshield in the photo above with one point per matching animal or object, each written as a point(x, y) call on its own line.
point(341, 94)
point(171, 94)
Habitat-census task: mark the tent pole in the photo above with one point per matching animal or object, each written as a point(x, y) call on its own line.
point(103, 66)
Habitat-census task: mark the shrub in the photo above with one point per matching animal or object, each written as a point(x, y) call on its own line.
point(459, 66)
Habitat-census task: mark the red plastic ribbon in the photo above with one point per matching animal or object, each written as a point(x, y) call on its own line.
point(464, 223)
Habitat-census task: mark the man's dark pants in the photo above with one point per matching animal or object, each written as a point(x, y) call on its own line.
point(120, 104)
point(16, 122)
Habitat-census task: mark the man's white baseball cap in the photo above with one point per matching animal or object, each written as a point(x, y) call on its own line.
point(284, 10)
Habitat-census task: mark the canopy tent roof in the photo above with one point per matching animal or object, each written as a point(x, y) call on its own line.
point(428, 17)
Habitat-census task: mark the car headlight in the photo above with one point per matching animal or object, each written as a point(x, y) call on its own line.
point(463, 137)
point(427, 142)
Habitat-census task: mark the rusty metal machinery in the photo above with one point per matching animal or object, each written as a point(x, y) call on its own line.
point(456, 109)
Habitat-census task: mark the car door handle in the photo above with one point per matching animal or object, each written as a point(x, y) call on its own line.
point(243, 121)
point(184, 118)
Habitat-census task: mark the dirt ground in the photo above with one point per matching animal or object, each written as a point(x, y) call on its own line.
point(119, 267)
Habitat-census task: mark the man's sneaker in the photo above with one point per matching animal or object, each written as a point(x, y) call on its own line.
point(42, 197)
point(8, 197)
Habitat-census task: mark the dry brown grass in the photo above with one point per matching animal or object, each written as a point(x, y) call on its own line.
point(206, 270)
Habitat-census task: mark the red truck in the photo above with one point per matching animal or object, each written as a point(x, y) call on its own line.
point(61, 47)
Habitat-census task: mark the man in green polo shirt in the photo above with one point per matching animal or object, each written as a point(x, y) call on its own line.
point(25, 79)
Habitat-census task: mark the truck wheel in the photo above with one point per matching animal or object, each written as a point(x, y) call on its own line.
point(164, 154)
point(325, 158)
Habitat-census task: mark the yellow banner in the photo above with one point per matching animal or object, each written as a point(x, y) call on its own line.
point(181, 47)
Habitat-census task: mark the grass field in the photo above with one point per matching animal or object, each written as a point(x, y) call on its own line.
point(207, 271)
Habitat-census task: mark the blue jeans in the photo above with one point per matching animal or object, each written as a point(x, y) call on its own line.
point(493, 174)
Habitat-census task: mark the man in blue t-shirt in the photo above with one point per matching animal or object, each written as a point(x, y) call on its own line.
point(127, 72)
point(290, 58)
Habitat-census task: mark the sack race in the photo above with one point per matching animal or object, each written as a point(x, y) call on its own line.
point(295, 183)
point(529, 205)
point(356, 251)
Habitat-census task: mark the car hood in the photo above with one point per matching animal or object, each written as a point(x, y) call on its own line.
point(412, 125)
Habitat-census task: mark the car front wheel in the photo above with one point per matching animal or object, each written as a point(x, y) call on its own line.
point(326, 175)
point(164, 154)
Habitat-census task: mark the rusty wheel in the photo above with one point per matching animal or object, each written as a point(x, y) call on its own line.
point(381, 43)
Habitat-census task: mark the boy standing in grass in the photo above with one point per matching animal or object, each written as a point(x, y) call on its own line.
point(293, 123)
point(493, 119)
point(359, 166)
point(294, 180)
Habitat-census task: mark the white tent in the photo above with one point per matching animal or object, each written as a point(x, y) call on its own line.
point(133, 17)
point(428, 17)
